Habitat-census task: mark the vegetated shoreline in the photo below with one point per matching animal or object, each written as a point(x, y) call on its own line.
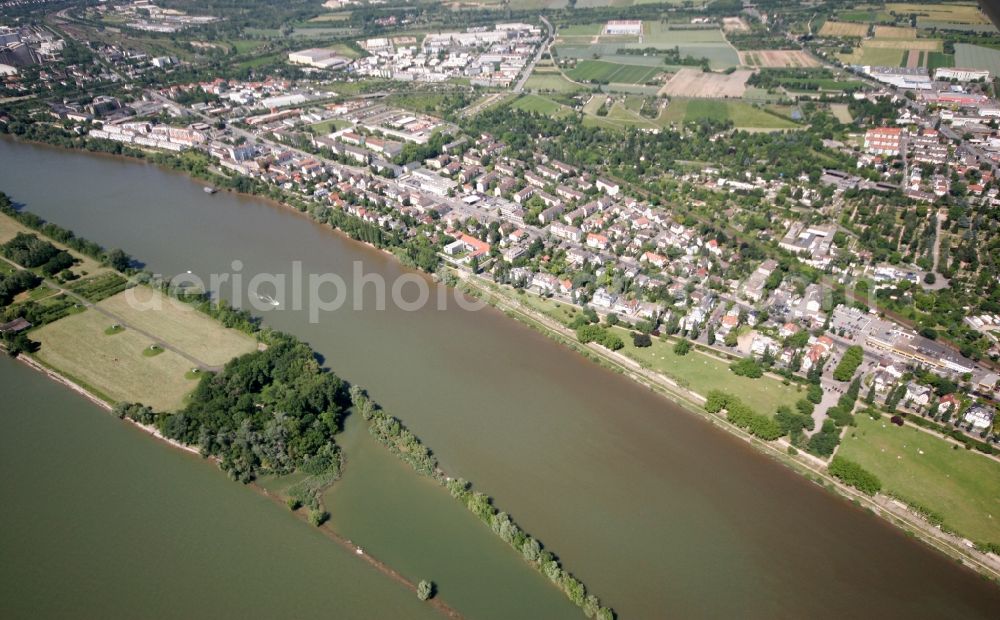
point(566, 582)
point(152, 431)
point(812, 468)
point(907, 519)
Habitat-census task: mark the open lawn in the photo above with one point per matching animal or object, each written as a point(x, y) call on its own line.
point(696, 83)
point(552, 81)
point(702, 373)
point(329, 126)
point(541, 105)
point(962, 486)
point(179, 324)
point(113, 365)
point(9, 228)
point(600, 71)
point(840, 112)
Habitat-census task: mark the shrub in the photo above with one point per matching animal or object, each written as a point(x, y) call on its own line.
point(641, 340)
point(747, 367)
point(425, 589)
point(683, 346)
point(612, 341)
point(854, 475)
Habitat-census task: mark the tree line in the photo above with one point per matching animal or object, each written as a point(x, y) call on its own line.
point(390, 432)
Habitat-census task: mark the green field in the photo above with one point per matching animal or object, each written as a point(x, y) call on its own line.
point(541, 105)
point(179, 324)
point(118, 364)
point(329, 126)
point(550, 80)
point(962, 486)
point(939, 59)
point(600, 71)
point(977, 57)
point(113, 365)
point(577, 42)
point(702, 373)
point(741, 113)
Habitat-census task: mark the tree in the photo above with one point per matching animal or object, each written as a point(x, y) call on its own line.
point(853, 357)
point(640, 340)
point(612, 341)
point(589, 333)
point(119, 260)
point(425, 589)
point(683, 347)
point(747, 367)
point(814, 393)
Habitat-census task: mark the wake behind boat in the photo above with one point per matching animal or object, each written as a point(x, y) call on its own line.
point(269, 300)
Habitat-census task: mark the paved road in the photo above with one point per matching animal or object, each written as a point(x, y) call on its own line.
point(519, 87)
point(120, 321)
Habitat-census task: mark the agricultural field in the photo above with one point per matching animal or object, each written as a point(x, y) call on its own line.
point(606, 72)
point(977, 57)
point(955, 13)
point(961, 486)
point(696, 83)
point(882, 57)
point(778, 58)
point(742, 114)
point(332, 17)
point(113, 365)
point(178, 324)
point(895, 32)
point(843, 29)
point(939, 59)
point(585, 43)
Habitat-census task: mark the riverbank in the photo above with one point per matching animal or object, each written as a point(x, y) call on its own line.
point(691, 401)
point(814, 468)
point(545, 431)
point(152, 431)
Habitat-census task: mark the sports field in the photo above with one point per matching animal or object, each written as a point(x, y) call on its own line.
point(600, 71)
point(962, 486)
point(179, 324)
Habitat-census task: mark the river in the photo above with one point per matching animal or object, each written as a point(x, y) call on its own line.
point(659, 512)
